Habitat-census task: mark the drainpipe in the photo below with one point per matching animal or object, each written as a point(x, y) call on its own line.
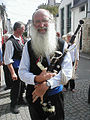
point(88, 12)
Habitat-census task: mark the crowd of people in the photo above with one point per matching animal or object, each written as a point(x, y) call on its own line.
point(26, 66)
point(1, 60)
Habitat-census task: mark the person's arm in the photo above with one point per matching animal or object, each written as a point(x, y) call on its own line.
point(9, 49)
point(0, 57)
point(8, 54)
point(12, 71)
point(76, 55)
point(67, 68)
point(24, 70)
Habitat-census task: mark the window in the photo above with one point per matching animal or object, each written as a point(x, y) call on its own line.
point(68, 18)
point(62, 21)
point(82, 8)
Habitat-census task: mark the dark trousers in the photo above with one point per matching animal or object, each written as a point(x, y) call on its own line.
point(72, 84)
point(7, 75)
point(37, 113)
point(89, 95)
point(17, 91)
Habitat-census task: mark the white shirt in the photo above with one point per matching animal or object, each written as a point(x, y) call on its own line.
point(28, 77)
point(9, 50)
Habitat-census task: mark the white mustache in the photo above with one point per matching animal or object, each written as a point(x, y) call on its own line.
point(41, 28)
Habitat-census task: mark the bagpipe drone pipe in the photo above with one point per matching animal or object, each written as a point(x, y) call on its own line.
point(57, 59)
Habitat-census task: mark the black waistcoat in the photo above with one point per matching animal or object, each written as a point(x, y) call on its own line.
point(33, 59)
point(17, 48)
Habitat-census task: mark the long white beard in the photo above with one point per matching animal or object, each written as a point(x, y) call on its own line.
point(44, 44)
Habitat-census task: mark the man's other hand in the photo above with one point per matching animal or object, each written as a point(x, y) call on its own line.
point(44, 76)
point(40, 90)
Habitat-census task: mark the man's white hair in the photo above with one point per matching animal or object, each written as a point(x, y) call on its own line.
point(70, 34)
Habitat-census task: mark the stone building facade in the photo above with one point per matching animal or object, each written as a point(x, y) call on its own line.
point(86, 36)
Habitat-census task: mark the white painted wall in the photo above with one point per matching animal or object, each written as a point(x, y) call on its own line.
point(57, 24)
point(64, 4)
point(77, 16)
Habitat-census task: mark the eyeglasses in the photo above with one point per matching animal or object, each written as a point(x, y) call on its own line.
point(44, 21)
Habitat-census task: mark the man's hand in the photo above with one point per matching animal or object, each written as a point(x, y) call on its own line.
point(40, 90)
point(14, 76)
point(12, 71)
point(43, 76)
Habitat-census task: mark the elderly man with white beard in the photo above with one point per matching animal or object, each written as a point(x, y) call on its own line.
point(44, 89)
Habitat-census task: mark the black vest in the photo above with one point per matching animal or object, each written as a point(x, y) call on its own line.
point(33, 59)
point(17, 48)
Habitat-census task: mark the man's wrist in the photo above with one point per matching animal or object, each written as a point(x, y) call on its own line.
point(35, 79)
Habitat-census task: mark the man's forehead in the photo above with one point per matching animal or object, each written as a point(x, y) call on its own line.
point(42, 12)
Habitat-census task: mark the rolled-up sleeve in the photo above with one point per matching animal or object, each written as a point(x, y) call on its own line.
point(67, 67)
point(9, 49)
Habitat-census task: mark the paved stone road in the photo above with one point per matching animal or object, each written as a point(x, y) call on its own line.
point(76, 105)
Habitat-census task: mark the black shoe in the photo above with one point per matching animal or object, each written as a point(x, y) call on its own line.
point(14, 110)
point(22, 102)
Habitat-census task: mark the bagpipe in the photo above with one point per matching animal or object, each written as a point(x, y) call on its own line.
point(57, 59)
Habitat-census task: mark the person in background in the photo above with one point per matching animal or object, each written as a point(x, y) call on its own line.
point(75, 58)
point(40, 83)
point(64, 37)
point(58, 35)
point(7, 75)
point(25, 37)
point(3, 37)
point(12, 57)
point(1, 60)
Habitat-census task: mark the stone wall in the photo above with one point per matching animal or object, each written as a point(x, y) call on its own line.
point(86, 36)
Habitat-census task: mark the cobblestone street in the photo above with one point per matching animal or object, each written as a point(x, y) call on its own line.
point(75, 103)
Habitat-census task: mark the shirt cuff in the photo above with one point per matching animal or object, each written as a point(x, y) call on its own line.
point(9, 62)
